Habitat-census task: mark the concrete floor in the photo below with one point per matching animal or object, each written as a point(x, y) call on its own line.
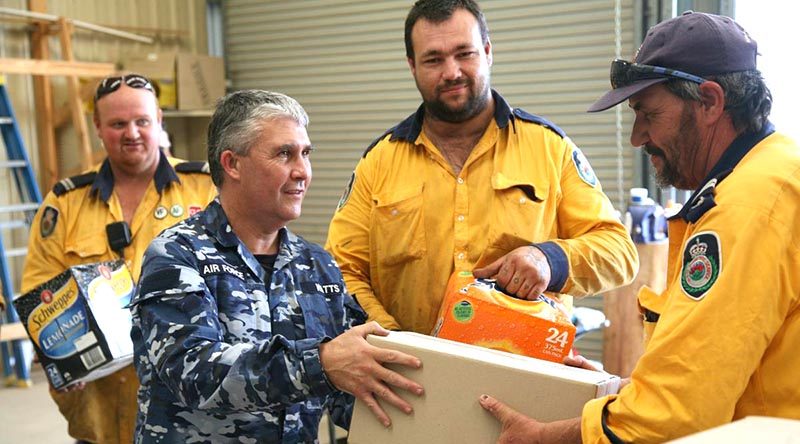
point(20, 425)
point(28, 415)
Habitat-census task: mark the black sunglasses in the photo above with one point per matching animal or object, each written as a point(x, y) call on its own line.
point(624, 73)
point(111, 84)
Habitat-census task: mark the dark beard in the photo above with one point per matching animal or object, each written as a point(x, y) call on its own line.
point(668, 176)
point(687, 136)
point(475, 104)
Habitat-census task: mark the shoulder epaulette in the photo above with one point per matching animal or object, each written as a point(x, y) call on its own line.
point(73, 183)
point(375, 142)
point(528, 117)
point(193, 167)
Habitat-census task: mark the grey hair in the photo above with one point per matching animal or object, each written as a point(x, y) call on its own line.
point(238, 120)
point(747, 99)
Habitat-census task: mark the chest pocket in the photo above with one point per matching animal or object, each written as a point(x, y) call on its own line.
point(241, 302)
point(322, 308)
point(517, 214)
point(398, 227)
point(86, 248)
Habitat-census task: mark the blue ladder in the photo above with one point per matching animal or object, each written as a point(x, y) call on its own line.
point(19, 165)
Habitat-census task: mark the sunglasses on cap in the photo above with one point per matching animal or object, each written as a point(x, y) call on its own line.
point(111, 84)
point(624, 73)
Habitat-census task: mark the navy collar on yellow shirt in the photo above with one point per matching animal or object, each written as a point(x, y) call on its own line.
point(702, 199)
point(103, 184)
point(409, 129)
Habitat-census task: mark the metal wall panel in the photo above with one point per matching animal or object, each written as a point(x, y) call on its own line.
point(345, 62)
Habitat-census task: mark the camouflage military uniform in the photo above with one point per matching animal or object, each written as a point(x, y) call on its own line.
point(223, 358)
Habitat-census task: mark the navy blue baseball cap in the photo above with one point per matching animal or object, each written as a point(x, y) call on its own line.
point(691, 46)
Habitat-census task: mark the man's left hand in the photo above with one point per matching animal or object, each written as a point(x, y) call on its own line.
point(524, 272)
point(517, 428)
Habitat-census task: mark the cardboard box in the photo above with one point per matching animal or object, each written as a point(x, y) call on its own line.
point(79, 323)
point(186, 81)
point(455, 375)
point(474, 312)
point(759, 429)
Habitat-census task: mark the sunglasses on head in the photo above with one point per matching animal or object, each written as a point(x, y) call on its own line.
point(624, 73)
point(111, 84)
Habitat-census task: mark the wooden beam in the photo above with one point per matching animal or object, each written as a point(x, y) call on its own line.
point(62, 114)
point(38, 17)
point(12, 332)
point(76, 105)
point(55, 68)
point(43, 102)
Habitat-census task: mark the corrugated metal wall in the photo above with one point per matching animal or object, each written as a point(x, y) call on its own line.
point(177, 25)
point(345, 62)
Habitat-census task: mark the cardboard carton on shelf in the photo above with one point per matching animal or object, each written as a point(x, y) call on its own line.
point(455, 375)
point(79, 322)
point(186, 81)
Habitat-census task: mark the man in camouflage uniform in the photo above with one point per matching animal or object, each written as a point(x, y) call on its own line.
point(243, 331)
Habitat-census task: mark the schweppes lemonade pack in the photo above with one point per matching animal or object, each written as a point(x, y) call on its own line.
point(475, 311)
point(79, 323)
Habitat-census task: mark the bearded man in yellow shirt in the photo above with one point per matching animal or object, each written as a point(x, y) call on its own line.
point(468, 181)
point(724, 333)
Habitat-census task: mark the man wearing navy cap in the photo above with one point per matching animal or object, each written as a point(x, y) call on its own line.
point(722, 337)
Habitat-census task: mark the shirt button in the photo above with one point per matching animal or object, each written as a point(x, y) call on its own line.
point(394, 211)
point(122, 379)
point(460, 256)
point(460, 180)
point(460, 218)
point(522, 200)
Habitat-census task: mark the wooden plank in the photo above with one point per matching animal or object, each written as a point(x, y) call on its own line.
point(55, 68)
point(623, 341)
point(43, 102)
point(75, 103)
point(12, 332)
point(63, 113)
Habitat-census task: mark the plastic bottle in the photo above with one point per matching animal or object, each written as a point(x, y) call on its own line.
point(647, 221)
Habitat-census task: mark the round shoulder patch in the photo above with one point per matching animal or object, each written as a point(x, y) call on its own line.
point(48, 222)
point(702, 263)
point(585, 170)
point(346, 194)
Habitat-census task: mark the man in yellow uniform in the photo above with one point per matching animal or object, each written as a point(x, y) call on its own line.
point(468, 181)
point(724, 342)
point(135, 185)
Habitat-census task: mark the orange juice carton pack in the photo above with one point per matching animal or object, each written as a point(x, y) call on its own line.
point(474, 311)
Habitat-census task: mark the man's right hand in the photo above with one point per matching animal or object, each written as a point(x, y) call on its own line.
point(354, 366)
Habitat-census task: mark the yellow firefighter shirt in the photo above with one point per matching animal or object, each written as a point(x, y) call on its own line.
point(406, 221)
point(728, 324)
point(69, 229)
